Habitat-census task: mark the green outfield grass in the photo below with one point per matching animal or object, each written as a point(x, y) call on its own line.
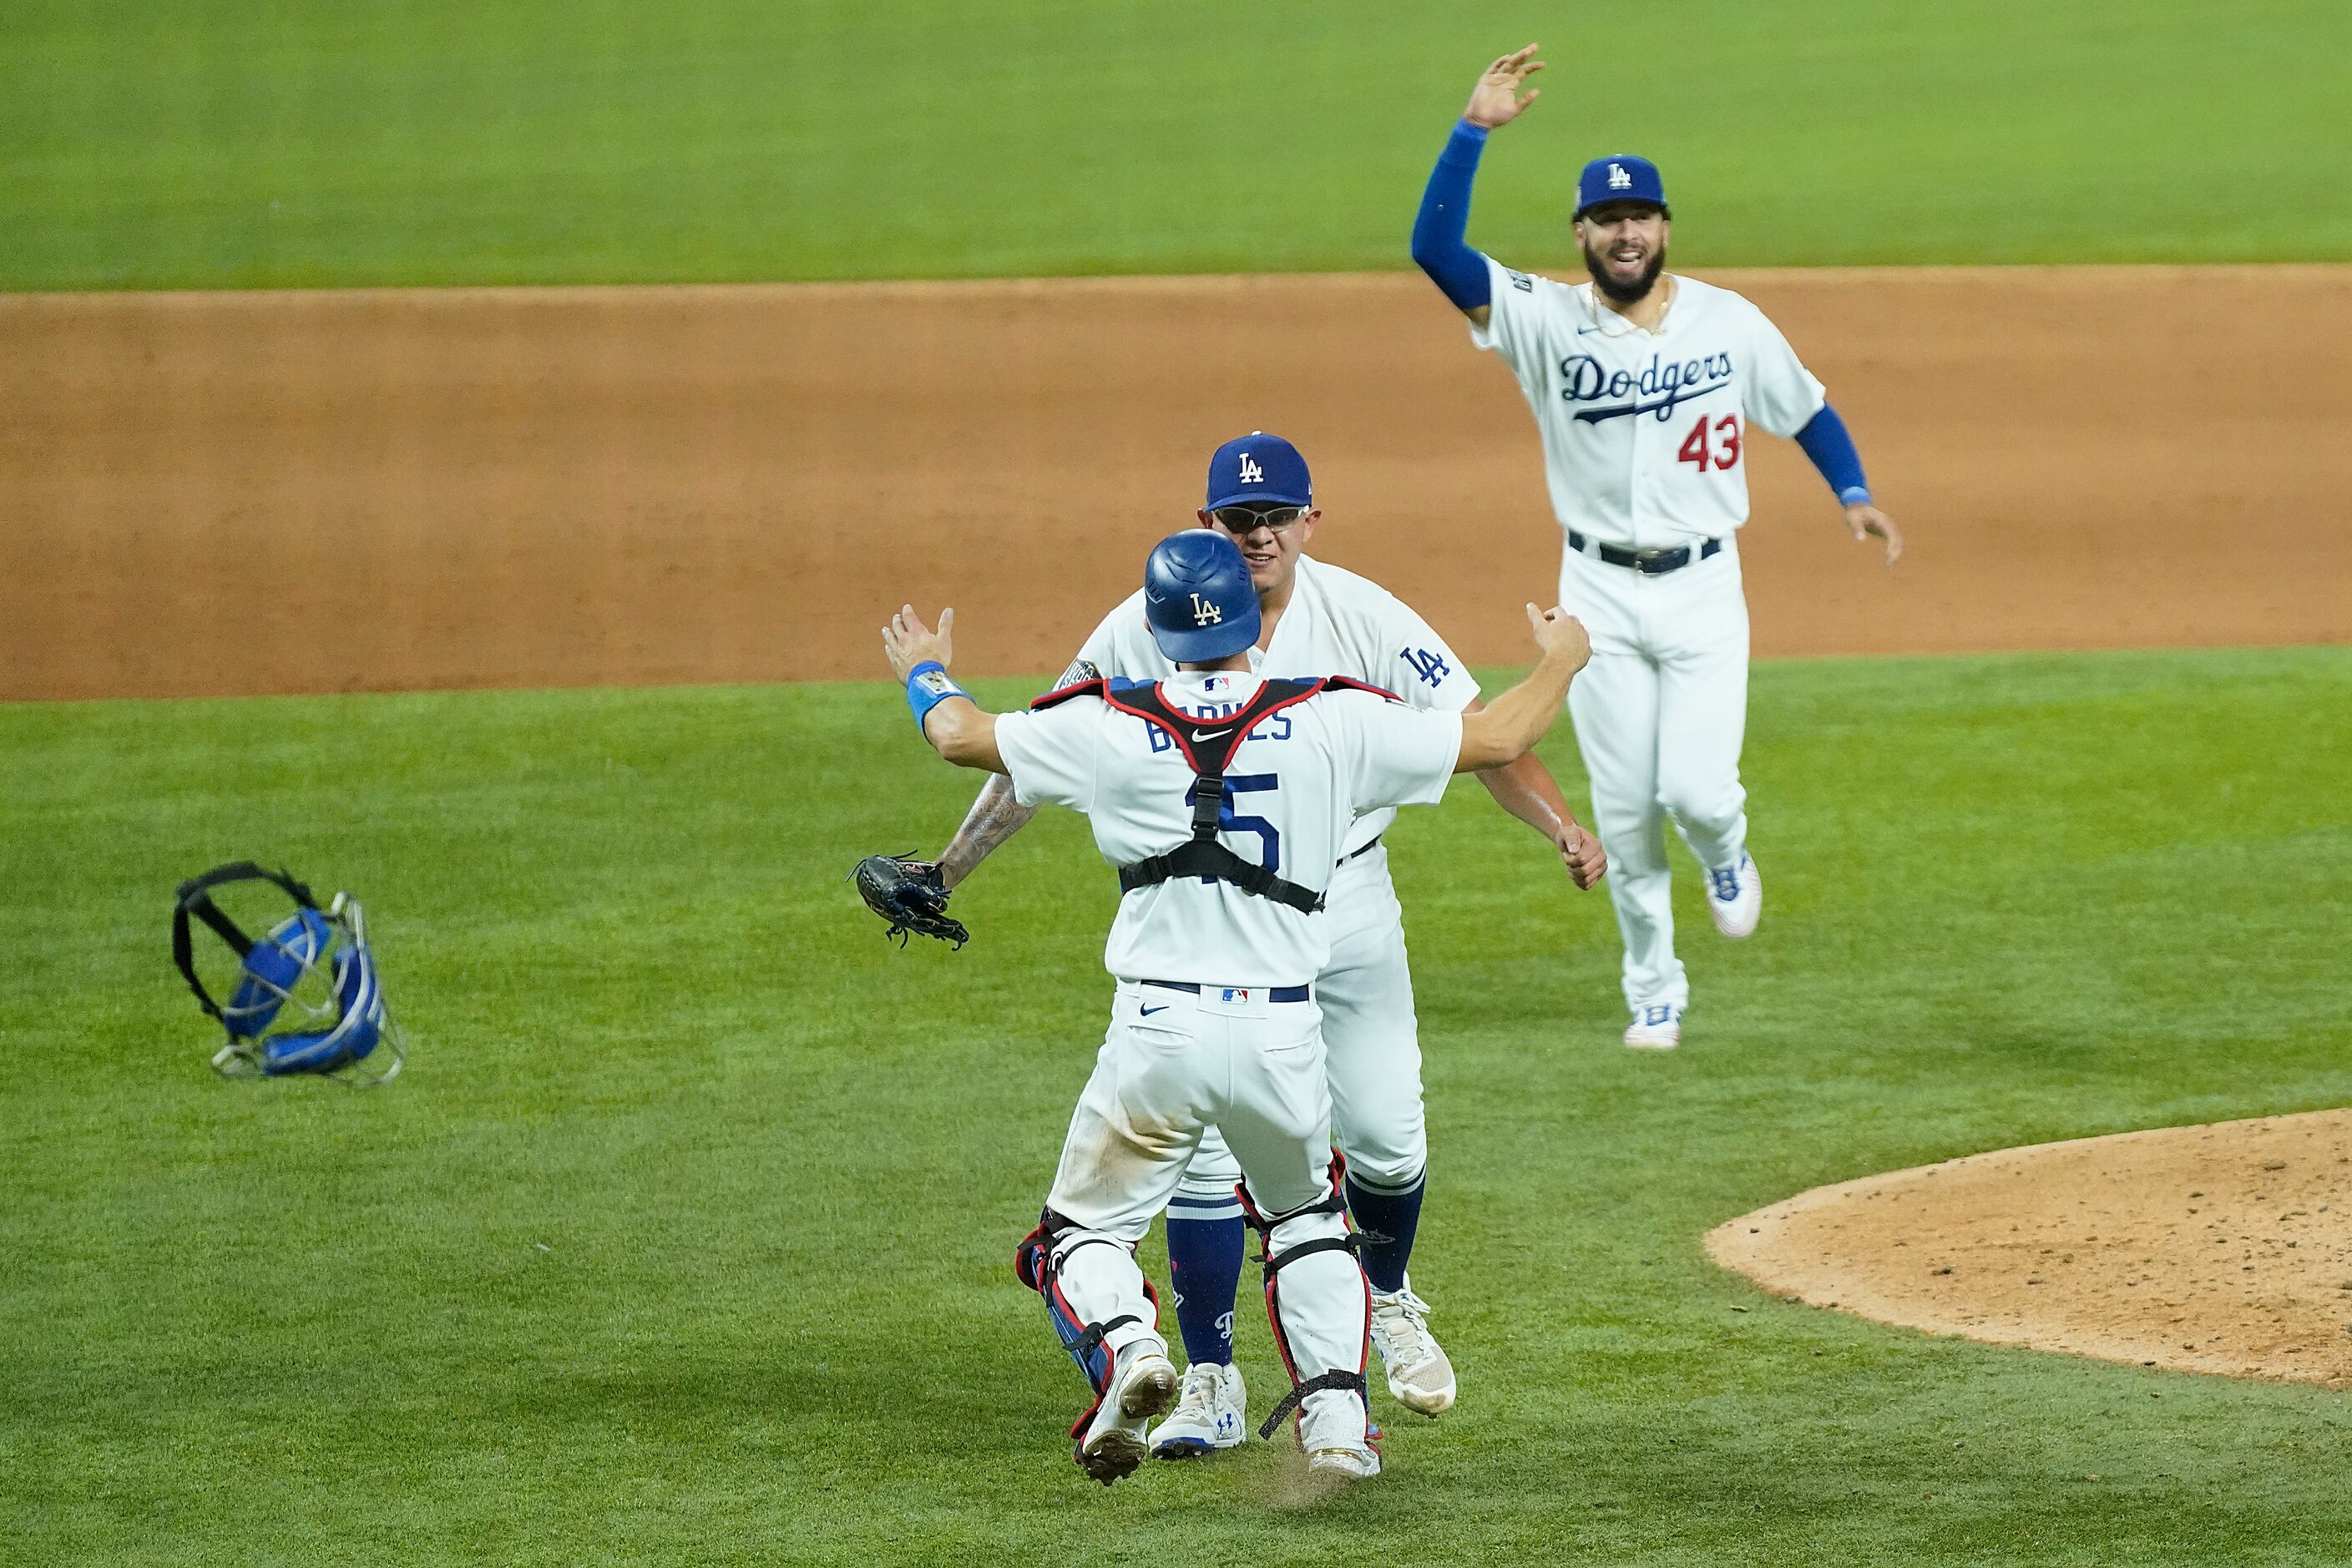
point(244, 142)
point(686, 1237)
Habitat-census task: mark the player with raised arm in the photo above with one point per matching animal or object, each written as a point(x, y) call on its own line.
point(1313, 619)
point(1643, 384)
point(1216, 953)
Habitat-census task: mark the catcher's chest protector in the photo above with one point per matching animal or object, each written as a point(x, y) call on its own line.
point(1209, 744)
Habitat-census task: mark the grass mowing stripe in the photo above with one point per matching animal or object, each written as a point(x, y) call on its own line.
point(686, 1238)
point(230, 143)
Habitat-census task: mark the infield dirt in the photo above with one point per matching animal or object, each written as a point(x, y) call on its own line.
point(277, 493)
point(2219, 1249)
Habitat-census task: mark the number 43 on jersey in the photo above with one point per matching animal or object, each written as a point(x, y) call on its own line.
point(1723, 452)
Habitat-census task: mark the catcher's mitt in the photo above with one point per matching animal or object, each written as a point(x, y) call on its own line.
point(910, 895)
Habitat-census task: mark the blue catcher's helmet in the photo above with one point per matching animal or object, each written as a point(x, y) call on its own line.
point(313, 972)
point(1198, 597)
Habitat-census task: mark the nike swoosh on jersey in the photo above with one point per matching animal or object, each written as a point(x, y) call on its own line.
point(1210, 735)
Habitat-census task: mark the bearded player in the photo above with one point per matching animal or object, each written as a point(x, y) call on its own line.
point(1643, 384)
point(1315, 619)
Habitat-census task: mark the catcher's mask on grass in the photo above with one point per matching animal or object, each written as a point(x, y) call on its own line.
point(313, 974)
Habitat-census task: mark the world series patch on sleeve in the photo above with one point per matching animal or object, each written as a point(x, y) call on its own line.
point(910, 894)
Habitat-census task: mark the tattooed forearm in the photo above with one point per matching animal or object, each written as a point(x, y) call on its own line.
point(995, 817)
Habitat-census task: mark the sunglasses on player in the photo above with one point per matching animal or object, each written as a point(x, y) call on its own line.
point(1250, 519)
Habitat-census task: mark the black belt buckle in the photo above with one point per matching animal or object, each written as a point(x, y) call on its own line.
point(1649, 562)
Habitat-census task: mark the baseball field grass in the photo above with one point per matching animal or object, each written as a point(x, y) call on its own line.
point(227, 144)
point(684, 1238)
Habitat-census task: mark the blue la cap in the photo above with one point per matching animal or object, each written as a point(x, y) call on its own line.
point(1620, 177)
point(1258, 467)
point(1198, 597)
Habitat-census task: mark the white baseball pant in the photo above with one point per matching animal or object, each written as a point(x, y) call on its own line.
point(1660, 715)
point(1372, 1045)
point(1254, 1067)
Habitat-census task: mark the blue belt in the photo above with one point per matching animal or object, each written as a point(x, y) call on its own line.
point(1655, 562)
point(1279, 994)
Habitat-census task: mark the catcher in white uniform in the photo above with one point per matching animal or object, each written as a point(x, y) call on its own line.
point(1315, 619)
point(1220, 937)
point(1643, 384)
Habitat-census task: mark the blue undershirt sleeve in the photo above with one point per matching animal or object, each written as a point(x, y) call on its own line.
point(1827, 442)
point(1459, 272)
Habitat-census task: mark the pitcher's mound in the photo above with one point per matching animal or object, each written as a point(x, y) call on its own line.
point(2219, 1249)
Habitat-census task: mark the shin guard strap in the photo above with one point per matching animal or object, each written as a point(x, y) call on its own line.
point(1278, 1261)
point(1338, 1378)
point(1084, 1346)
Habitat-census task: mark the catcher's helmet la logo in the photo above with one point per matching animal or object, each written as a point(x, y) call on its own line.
point(1618, 179)
point(1205, 613)
point(1252, 474)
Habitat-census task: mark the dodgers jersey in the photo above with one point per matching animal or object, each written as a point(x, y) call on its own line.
point(1295, 786)
point(1644, 430)
point(1336, 623)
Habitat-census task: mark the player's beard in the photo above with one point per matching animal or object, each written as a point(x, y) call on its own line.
point(1626, 293)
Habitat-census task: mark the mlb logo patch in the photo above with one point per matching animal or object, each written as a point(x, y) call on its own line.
point(1235, 994)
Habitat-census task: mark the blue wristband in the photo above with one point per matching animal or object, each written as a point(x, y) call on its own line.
point(928, 684)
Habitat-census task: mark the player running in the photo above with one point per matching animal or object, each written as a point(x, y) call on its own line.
point(1643, 384)
point(1313, 619)
point(1215, 1020)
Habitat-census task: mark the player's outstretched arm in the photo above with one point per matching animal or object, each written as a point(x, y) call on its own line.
point(1517, 719)
point(1525, 787)
point(958, 728)
point(1438, 245)
point(995, 816)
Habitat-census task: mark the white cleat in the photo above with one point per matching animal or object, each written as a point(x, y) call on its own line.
point(1419, 1377)
point(1734, 897)
point(1212, 1413)
point(1656, 1026)
point(1347, 1464)
point(1143, 1384)
point(1338, 1441)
